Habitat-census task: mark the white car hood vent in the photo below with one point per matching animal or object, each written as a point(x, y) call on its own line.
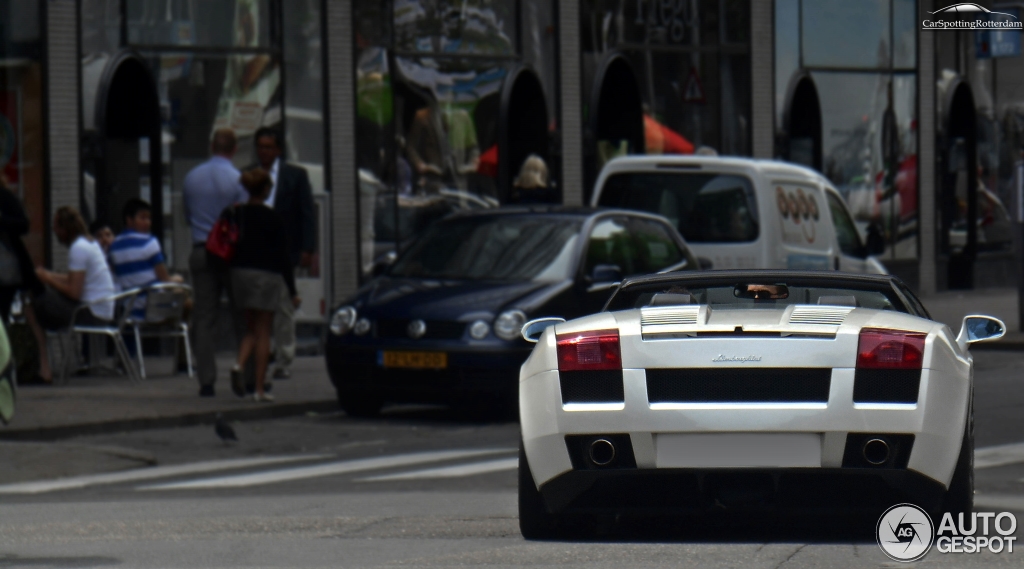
point(670, 315)
point(828, 315)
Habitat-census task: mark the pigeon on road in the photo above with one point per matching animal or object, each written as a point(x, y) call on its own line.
point(224, 430)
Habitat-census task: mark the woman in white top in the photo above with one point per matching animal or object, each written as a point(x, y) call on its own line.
point(87, 280)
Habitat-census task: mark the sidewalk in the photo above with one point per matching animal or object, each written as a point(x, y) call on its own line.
point(89, 405)
point(951, 307)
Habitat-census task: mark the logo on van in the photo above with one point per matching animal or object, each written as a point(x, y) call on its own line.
point(740, 359)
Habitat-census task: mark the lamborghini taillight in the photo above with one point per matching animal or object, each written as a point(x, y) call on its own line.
point(592, 350)
point(881, 348)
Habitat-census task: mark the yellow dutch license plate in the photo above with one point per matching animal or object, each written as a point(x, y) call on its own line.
point(419, 360)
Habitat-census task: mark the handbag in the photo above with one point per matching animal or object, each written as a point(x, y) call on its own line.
point(10, 267)
point(223, 237)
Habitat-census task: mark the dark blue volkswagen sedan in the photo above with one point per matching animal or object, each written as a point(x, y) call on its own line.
point(443, 323)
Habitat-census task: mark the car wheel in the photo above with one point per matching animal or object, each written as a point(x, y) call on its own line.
point(535, 522)
point(357, 404)
point(960, 495)
point(7, 397)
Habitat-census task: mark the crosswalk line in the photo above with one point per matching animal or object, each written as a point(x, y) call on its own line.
point(454, 471)
point(990, 457)
point(151, 473)
point(320, 470)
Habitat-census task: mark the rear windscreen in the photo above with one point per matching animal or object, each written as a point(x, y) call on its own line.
point(706, 208)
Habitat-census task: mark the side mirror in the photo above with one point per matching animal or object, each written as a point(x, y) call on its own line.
point(606, 274)
point(705, 263)
point(534, 328)
point(381, 263)
point(876, 241)
point(980, 329)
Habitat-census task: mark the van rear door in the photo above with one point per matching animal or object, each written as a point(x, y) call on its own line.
point(806, 241)
point(715, 212)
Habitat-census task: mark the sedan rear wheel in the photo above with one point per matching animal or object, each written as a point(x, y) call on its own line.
point(358, 404)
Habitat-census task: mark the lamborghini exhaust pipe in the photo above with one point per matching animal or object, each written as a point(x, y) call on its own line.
point(601, 452)
point(875, 451)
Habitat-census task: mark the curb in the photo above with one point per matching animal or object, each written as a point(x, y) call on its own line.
point(191, 419)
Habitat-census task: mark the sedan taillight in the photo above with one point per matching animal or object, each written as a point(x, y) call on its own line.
point(593, 350)
point(880, 348)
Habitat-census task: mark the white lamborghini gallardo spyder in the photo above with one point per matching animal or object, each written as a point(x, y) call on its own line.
point(738, 390)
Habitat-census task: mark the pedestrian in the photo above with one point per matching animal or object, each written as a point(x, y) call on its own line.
point(531, 185)
point(292, 198)
point(17, 272)
point(87, 281)
point(208, 189)
point(261, 274)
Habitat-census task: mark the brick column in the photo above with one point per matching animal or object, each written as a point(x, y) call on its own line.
point(341, 167)
point(762, 78)
point(63, 171)
point(571, 94)
point(926, 158)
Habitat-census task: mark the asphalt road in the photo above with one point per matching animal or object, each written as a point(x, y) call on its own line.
point(419, 487)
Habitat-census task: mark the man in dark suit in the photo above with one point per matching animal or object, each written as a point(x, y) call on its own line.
point(292, 198)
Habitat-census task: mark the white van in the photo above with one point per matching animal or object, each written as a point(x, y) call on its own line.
point(741, 213)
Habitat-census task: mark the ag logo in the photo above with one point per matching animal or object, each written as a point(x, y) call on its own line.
point(905, 532)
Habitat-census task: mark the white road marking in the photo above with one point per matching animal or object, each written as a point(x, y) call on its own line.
point(320, 470)
point(999, 502)
point(455, 471)
point(990, 457)
point(151, 473)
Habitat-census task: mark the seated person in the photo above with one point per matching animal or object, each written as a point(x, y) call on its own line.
point(103, 234)
point(88, 280)
point(135, 255)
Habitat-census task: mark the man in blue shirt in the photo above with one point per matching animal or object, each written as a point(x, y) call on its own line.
point(208, 189)
point(135, 255)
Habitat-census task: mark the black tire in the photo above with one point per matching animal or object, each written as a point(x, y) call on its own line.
point(8, 395)
point(535, 522)
point(356, 404)
point(960, 494)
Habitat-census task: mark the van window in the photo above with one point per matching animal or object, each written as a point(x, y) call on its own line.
point(846, 231)
point(706, 208)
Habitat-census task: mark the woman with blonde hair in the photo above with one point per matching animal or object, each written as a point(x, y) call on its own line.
point(260, 269)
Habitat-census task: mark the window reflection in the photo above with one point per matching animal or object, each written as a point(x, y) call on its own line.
point(220, 23)
point(840, 33)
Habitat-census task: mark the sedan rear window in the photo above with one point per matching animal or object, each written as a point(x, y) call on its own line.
point(516, 248)
point(706, 208)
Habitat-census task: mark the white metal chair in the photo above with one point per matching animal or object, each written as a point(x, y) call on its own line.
point(113, 330)
point(163, 318)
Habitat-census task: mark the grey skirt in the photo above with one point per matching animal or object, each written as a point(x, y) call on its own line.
point(257, 290)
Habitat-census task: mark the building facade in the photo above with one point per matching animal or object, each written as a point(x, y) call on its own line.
point(404, 110)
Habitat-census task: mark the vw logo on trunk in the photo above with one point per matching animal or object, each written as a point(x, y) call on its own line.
point(416, 329)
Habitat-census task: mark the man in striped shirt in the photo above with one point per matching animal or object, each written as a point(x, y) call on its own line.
point(135, 256)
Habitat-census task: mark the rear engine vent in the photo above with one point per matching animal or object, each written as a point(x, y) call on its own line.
point(755, 385)
point(592, 386)
point(819, 315)
point(886, 385)
point(668, 315)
